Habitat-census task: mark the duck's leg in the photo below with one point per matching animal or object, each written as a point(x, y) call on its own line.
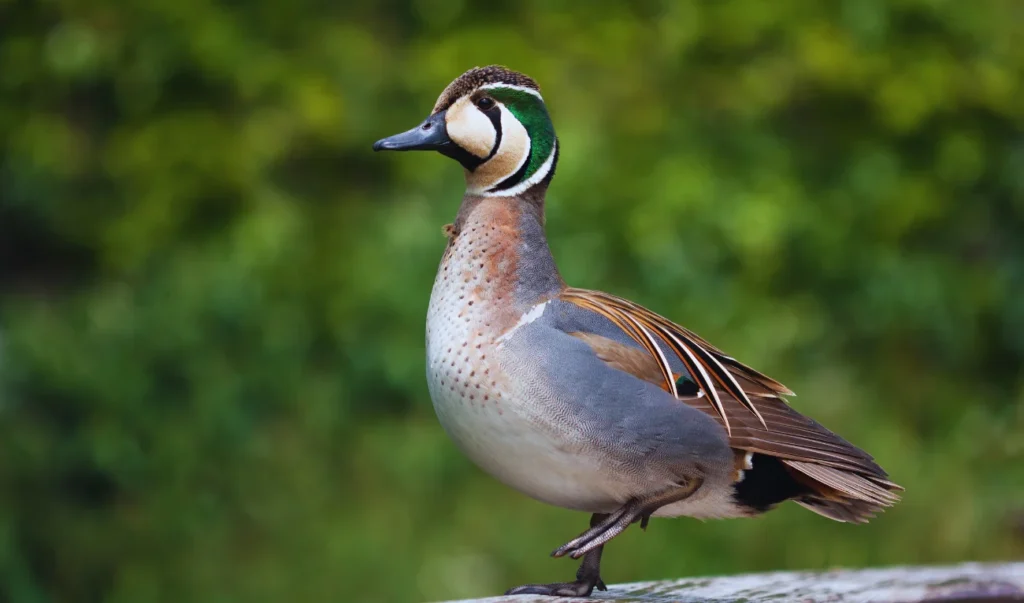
point(635, 510)
point(590, 544)
point(588, 577)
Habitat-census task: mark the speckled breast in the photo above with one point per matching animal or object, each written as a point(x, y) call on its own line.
point(469, 309)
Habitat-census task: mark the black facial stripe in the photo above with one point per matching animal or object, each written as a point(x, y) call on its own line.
point(467, 159)
point(514, 179)
point(495, 116)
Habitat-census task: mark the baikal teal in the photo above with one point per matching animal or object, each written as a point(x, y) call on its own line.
point(583, 399)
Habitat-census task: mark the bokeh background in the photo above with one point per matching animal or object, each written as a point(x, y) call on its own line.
point(213, 293)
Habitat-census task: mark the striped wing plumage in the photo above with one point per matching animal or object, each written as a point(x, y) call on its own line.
point(841, 481)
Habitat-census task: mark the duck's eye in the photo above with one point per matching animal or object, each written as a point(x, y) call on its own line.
point(485, 103)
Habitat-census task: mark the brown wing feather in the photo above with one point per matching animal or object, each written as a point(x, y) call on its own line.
point(703, 362)
point(628, 359)
point(845, 482)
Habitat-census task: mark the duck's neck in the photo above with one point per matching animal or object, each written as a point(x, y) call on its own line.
point(500, 241)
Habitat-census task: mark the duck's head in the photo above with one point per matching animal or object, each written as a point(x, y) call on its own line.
point(493, 121)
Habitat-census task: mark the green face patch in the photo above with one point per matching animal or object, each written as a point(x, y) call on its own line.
point(530, 110)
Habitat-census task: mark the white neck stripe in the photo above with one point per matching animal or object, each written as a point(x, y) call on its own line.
point(541, 173)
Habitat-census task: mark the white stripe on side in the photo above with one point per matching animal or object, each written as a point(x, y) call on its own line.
point(533, 314)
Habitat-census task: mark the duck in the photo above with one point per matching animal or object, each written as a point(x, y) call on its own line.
point(583, 399)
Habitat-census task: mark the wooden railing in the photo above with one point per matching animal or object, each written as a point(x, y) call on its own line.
point(966, 583)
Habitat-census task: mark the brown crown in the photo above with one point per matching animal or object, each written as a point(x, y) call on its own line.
point(479, 76)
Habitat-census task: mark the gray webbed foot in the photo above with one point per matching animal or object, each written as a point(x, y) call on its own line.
point(579, 588)
point(588, 577)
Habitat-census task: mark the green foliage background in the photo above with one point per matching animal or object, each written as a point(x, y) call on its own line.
point(213, 293)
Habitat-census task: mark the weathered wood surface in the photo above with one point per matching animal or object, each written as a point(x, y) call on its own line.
point(967, 583)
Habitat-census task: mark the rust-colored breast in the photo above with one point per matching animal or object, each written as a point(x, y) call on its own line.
point(470, 307)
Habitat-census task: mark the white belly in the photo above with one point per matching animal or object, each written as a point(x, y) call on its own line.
point(517, 453)
point(503, 433)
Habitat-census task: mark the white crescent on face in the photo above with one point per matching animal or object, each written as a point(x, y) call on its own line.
point(512, 153)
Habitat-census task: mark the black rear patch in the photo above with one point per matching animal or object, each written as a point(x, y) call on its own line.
point(767, 484)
